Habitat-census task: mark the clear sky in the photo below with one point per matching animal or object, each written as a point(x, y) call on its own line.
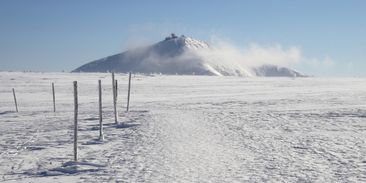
point(46, 35)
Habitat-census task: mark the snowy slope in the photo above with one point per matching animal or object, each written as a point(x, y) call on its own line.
point(185, 129)
point(276, 71)
point(179, 55)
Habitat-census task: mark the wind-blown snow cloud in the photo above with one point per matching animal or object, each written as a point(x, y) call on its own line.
point(273, 54)
point(253, 55)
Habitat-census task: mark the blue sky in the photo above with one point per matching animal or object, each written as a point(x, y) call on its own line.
point(45, 35)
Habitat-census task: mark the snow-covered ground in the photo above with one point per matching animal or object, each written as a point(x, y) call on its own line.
point(185, 129)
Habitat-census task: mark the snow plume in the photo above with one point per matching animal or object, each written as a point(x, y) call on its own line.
point(252, 56)
point(223, 56)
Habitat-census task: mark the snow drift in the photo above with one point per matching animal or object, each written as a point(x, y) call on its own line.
point(184, 56)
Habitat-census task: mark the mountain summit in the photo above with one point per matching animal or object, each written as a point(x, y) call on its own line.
point(179, 55)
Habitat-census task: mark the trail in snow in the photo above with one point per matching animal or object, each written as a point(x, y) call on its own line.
point(186, 129)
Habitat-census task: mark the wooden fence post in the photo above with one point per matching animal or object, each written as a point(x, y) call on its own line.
point(101, 136)
point(54, 98)
point(75, 121)
point(15, 100)
point(114, 99)
point(116, 85)
point(129, 91)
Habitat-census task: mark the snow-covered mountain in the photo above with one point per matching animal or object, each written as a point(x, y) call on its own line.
point(179, 55)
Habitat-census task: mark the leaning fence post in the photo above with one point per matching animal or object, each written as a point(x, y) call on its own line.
point(129, 91)
point(101, 137)
point(114, 99)
point(54, 99)
point(15, 100)
point(75, 121)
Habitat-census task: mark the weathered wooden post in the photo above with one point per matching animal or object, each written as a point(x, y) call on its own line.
point(54, 98)
point(101, 136)
point(75, 121)
point(116, 85)
point(114, 99)
point(15, 100)
point(129, 91)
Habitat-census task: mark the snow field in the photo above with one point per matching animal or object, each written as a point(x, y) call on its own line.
point(185, 129)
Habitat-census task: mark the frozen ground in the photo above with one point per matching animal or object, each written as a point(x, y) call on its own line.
point(185, 129)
